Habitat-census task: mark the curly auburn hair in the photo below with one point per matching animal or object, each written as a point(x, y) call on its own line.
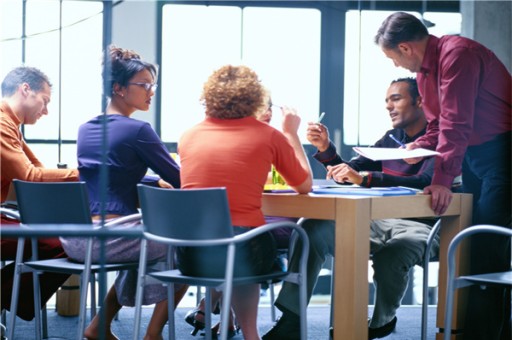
point(233, 92)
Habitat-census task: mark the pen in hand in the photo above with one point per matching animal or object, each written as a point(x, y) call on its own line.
point(321, 117)
point(396, 140)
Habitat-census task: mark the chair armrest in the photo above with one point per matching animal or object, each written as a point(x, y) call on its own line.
point(125, 219)
point(10, 213)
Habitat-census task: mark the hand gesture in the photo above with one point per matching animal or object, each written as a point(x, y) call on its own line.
point(412, 146)
point(318, 136)
point(342, 173)
point(291, 120)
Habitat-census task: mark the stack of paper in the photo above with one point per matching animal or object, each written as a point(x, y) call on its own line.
point(381, 154)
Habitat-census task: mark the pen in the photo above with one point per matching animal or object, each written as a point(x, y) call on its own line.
point(396, 140)
point(321, 117)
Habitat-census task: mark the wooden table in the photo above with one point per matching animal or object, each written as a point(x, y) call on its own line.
point(352, 215)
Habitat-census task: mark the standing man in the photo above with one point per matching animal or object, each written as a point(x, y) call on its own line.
point(466, 94)
point(26, 92)
point(396, 244)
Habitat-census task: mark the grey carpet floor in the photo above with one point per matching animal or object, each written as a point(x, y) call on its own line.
point(408, 327)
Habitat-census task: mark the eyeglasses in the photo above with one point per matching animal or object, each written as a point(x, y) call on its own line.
point(146, 86)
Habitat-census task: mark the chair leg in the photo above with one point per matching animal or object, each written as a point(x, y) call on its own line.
point(140, 287)
point(272, 299)
point(44, 322)
point(426, 259)
point(16, 288)
point(332, 293)
point(93, 295)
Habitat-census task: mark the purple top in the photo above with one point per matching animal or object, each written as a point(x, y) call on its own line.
point(389, 172)
point(133, 147)
point(466, 95)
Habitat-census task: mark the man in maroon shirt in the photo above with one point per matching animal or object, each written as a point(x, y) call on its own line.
point(466, 94)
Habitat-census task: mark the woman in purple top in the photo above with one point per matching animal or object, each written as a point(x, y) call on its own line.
point(132, 147)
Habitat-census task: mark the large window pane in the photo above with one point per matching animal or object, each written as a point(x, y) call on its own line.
point(73, 64)
point(195, 41)
point(368, 73)
point(10, 35)
point(281, 45)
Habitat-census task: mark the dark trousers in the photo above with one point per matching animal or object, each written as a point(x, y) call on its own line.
point(50, 282)
point(486, 174)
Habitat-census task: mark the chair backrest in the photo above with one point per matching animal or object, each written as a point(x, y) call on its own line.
point(189, 214)
point(52, 202)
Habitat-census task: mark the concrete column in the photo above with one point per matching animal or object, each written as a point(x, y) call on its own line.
point(489, 22)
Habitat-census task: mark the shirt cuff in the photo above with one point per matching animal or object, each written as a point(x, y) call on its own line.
point(326, 155)
point(442, 179)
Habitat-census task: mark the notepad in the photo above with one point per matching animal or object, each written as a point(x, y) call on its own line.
point(381, 154)
point(359, 191)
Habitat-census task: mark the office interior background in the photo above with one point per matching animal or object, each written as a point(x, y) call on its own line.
point(315, 56)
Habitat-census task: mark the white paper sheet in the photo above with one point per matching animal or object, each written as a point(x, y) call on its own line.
point(380, 154)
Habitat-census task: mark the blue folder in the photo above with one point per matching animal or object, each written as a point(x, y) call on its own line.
point(358, 191)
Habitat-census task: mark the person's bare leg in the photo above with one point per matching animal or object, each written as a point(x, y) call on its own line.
point(160, 316)
point(245, 303)
point(110, 308)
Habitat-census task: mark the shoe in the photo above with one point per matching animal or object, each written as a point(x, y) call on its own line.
point(286, 328)
point(380, 332)
point(331, 330)
point(232, 331)
point(190, 318)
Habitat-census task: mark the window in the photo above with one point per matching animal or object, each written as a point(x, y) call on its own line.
point(73, 65)
point(281, 44)
point(368, 73)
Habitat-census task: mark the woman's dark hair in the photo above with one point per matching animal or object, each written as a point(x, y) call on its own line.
point(400, 27)
point(34, 77)
point(124, 65)
point(413, 86)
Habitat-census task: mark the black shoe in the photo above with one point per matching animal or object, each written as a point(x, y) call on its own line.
point(190, 318)
point(286, 328)
point(380, 332)
point(232, 331)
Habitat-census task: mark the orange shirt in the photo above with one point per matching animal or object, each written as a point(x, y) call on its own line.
point(18, 161)
point(237, 154)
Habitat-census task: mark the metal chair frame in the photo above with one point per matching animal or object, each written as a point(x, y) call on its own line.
point(502, 278)
point(201, 218)
point(33, 210)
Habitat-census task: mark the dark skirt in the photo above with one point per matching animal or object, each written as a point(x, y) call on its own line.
point(254, 257)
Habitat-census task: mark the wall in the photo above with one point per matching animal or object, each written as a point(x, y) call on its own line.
point(489, 22)
point(134, 25)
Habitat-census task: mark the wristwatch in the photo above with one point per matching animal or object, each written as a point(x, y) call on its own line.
point(367, 176)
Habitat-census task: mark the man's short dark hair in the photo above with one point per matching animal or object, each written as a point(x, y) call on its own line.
point(400, 27)
point(34, 77)
point(413, 86)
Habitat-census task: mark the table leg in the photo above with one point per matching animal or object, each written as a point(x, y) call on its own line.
point(352, 247)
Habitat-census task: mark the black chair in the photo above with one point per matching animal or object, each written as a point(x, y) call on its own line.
point(201, 217)
point(57, 203)
point(503, 278)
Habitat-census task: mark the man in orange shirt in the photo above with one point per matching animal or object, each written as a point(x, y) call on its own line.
point(26, 92)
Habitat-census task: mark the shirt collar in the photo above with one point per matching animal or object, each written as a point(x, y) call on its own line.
point(429, 64)
point(5, 108)
point(416, 136)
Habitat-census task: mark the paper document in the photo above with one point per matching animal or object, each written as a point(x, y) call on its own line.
point(359, 191)
point(380, 154)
